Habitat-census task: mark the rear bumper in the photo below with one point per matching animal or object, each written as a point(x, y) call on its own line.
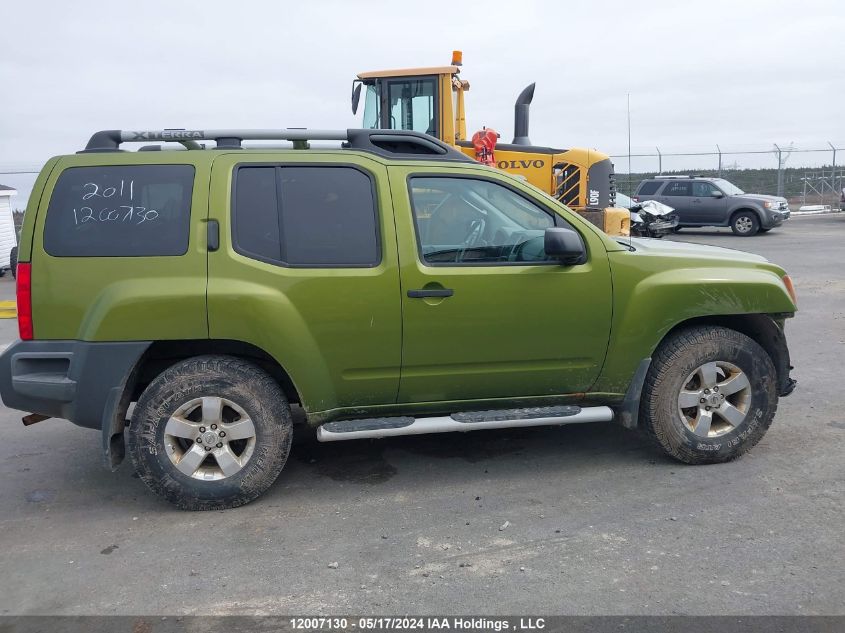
point(76, 380)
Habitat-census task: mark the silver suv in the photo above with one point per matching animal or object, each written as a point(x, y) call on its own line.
point(702, 201)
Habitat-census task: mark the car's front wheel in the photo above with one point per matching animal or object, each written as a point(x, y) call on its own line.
point(211, 432)
point(745, 223)
point(710, 395)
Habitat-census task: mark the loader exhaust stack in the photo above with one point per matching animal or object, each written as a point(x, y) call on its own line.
point(520, 116)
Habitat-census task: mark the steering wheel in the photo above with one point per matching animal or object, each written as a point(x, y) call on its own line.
point(518, 244)
point(476, 229)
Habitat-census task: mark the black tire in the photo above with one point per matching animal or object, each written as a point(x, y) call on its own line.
point(762, 230)
point(231, 381)
point(678, 357)
point(745, 223)
point(13, 261)
point(676, 229)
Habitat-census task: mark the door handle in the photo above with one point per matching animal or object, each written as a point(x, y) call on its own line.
point(213, 235)
point(434, 292)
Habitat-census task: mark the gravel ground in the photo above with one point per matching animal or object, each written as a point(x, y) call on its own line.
point(587, 519)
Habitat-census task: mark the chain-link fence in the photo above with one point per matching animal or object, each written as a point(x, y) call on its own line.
point(804, 175)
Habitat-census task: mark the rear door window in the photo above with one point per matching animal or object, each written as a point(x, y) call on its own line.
point(120, 211)
point(304, 216)
point(678, 189)
point(257, 205)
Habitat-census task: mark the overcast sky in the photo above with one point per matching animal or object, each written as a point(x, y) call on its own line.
point(744, 74)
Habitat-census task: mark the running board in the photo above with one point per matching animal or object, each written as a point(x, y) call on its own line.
point(471, 421)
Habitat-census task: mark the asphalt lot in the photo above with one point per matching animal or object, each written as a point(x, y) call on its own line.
point(599, 522)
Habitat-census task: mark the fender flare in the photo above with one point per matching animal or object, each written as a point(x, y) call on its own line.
point(745, 208)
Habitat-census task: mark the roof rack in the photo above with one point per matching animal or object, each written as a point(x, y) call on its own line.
point(685, 177)
point(391, 143)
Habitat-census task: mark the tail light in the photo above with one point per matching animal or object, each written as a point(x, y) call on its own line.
point(24, 297)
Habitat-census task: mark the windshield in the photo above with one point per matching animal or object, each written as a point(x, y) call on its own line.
point(729, 188)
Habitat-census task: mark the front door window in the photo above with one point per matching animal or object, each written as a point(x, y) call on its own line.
point(703, 189)
point(468, 221)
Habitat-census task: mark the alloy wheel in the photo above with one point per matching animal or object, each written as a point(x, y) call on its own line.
point(714, 399)
point(209, 438)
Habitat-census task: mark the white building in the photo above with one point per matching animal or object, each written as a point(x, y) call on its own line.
point(8, 239)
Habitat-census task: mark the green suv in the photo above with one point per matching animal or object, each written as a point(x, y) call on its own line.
point(182, 300)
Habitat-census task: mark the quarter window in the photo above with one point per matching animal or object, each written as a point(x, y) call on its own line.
point(469, 221)
point(649, 188)
point(120, 211)
point(306, 216)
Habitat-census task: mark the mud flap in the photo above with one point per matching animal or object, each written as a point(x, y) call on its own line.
point(628, 412)
point(114, 445)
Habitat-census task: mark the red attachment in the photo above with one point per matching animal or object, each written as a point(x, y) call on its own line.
point(484, 142)
point(24, 297)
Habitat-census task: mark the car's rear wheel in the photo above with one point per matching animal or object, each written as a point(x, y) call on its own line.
point(211, 432)
point(745, 223)
point(710, 395)
point(13, 261)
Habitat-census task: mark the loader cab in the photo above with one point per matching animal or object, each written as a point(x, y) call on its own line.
point(425, 100)
point(431, 101)
point(402, 104)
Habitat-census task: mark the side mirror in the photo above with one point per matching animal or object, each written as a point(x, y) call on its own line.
point(356, 96)
point(565, 245)
point(717, 194)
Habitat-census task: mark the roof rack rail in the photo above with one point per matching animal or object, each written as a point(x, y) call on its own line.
point(392, 143)
point(682, 177)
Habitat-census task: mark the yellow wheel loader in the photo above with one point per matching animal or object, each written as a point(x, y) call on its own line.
point(431, 101)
